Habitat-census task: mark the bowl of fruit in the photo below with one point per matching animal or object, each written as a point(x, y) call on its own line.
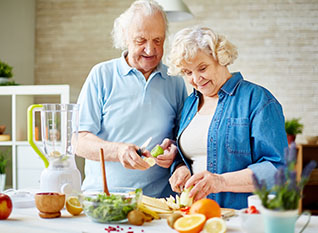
point(251, 220)
point(114, 208)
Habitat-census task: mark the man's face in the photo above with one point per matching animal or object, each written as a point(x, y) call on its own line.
point(146, 37)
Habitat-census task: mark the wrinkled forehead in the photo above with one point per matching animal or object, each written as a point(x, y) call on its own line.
point(147, 26)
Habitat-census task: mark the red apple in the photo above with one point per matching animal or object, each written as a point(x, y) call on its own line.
point(5, 206)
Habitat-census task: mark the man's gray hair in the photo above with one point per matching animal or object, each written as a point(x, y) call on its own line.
point(122, 23)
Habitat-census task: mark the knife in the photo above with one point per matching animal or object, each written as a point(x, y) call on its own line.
point(144, 146)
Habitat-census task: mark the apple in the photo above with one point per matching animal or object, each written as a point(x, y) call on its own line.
point(5, 206)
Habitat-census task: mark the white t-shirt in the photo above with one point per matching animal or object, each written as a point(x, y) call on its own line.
point(193, 141)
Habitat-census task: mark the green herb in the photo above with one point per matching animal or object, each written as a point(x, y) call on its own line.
point(3, 162)
point(5, 70)
point(112, 208)
point(293, 126)
point(287, 189)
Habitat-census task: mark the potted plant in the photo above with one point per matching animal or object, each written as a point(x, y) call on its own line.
point(292, 128)
point(6, 74)
point(3, 165)
point(280, 211)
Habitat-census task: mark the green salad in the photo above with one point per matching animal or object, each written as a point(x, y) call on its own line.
point(113, 208)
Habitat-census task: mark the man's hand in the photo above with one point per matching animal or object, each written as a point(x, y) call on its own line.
point(170, 150)
point(128, 157)
point(179, 178)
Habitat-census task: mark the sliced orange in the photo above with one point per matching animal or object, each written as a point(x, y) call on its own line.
point(192, 223)
point(208, 207)
point(214, 225)
point(73, 205)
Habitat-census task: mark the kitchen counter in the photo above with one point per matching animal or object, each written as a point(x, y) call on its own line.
point(27, 220)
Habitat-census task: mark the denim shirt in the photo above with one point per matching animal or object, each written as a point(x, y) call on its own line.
point(246, 131)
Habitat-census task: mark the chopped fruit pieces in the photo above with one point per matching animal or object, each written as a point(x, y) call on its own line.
point(151, 161)
point(252, 210)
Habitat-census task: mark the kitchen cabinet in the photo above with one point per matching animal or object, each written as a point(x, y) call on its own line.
point(306, 153)
point(26, 164)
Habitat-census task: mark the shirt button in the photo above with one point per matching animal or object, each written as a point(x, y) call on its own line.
point(211, 139)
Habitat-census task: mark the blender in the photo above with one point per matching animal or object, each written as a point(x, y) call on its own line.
point(59, 133)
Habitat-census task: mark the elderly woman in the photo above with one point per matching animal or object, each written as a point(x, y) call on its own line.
point(230, 128)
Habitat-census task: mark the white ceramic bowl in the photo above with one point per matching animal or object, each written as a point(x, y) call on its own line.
point(251, 223)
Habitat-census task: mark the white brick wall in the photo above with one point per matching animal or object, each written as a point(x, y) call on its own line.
point(277, 43)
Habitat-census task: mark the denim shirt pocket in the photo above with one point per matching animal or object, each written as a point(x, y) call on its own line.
point(238, 136)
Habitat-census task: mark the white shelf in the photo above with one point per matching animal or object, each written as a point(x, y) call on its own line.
point(22, 96)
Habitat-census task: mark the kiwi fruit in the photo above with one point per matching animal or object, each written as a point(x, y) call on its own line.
point(136, 217)
point(173, 218)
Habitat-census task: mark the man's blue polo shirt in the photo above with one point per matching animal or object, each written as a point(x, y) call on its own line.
point(117, 104)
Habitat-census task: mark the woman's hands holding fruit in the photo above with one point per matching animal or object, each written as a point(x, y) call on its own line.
point(179, 178)
point(204, 183)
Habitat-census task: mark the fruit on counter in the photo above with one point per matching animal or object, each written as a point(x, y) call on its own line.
point(136, 217)
point(148, 211)
point(156, 151)
point(214, 225)
point(73, 205)
point(185, 200)
point(252, 210)
point(192, 223)
point(208, 207)
point(5, 206)
point(173, 218)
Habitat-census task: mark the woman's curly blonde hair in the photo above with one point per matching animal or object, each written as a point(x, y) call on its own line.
point(188, 41)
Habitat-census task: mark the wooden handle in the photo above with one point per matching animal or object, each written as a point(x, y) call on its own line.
point(102, 162)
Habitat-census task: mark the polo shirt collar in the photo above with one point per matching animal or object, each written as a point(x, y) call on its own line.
point(124, 68)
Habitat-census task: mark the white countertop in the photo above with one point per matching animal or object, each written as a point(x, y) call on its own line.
point(27, 220)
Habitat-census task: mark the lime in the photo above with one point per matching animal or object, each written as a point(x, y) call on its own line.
point(157, 150)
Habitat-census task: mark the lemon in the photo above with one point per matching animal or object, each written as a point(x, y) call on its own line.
point(157, 150)
point(150, 161)
point(73, 205)
point(214, 225)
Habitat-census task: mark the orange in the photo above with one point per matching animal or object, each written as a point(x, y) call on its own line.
point(192, 223)
point(208, 207)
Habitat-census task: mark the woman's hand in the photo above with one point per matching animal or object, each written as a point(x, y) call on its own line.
point(170, 150)
point(179, 178)
point(204, 183)
point(128, 157)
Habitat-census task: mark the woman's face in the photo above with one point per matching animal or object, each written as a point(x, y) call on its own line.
point(204, 74)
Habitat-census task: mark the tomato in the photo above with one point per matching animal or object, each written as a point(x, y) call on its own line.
point(252, 210)
point(185, 209)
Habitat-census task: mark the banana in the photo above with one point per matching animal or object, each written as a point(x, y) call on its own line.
point(144, 209)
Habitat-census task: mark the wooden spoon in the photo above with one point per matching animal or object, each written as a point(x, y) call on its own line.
point(102, 162)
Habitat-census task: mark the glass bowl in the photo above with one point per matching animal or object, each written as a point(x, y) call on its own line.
point(111, 209)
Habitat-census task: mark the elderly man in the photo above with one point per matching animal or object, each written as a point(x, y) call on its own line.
point(126, 100)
